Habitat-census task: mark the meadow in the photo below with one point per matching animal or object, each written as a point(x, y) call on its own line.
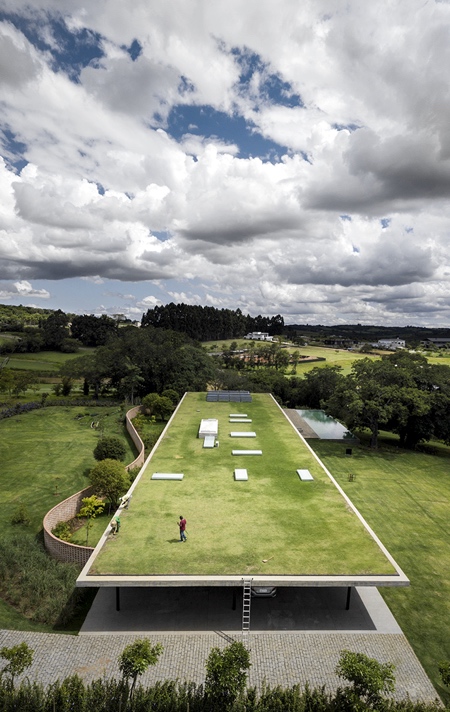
point(46, 456)
point(405, 498)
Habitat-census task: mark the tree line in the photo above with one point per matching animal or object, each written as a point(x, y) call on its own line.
point(209, 323)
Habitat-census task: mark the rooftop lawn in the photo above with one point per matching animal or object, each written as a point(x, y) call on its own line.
point(301, 528)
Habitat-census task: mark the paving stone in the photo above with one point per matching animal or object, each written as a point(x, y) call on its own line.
point(277, 658)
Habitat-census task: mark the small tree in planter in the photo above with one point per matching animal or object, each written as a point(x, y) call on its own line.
point(226, 675)
point(19, 659)
point(136, 658)
point(91, 507)
point(369, 679)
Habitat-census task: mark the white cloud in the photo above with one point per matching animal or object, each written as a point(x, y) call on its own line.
point(105, 179)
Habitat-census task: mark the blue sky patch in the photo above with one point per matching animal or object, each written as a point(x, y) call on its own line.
point(134, 50)
point(272, 89)
point(206, 121)
point(70, 51)
point(12, 150)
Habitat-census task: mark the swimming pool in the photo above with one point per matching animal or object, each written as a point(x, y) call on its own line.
point(325, 426)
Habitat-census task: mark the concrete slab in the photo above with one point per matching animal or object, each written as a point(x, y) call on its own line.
point(240, 474)
point(305, 475)
point(167, 476)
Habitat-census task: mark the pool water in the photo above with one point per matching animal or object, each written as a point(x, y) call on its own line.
point(325, 426)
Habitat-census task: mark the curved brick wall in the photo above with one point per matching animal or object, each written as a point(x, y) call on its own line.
point(136, 438)
point(64, 550)
point(62, 512)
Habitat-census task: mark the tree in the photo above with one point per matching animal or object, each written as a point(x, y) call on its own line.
point(226, 675)
point(136, 658)
point(55, 329)
point(110, 479)
point(91, 367)
point(93, 330)
point(319, 384)
point(19, 657)
point(91, 507)
point(159, 406)
point(110, 448)
point(173, 396)
point(369, 678)
point(368, 396)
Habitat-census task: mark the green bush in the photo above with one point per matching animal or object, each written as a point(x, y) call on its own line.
point(110, 448)
point(62, 531)
point(21, 516)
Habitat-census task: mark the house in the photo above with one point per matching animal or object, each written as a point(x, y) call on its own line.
point(259, 336)
point(390, 344)
point(436, 343)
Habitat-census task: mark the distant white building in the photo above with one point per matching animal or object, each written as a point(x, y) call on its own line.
point(390, 344)
point(259, 336)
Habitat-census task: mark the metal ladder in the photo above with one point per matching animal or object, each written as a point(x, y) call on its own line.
point(246, 603)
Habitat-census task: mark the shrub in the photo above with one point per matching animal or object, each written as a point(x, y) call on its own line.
point(369, 678)
point(21, 516)
point(110, 448)
point(136, 658)
point(109, 479)
point(226, 675)
point(19, 659)
point(62, 531)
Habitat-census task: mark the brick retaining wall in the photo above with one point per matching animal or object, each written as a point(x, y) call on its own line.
point(62, 512)
point(136, 438)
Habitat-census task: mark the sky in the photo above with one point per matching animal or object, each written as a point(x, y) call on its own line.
point(282, 158)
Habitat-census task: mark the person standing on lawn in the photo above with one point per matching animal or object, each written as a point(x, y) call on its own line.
point(182, 525)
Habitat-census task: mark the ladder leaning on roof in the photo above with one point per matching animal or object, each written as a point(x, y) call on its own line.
point(246, 603)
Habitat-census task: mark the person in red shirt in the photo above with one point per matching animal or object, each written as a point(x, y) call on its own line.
point(182, 525)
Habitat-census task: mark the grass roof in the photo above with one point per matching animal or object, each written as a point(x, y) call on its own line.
point(299, 528)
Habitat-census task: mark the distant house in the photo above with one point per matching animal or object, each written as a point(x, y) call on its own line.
point(259, 336)
point(390, 344)
point(436, 343)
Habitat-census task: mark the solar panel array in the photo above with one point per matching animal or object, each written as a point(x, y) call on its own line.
point(228, 396)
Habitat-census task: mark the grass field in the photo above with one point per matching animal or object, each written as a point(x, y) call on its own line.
point(43, 360)
point(302, 528)
point(405, 498)
point(47, 454)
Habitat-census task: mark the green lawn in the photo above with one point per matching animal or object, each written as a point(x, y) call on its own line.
point(405, 498)
point(47, 454)
point(303, 528)
point(43, 360)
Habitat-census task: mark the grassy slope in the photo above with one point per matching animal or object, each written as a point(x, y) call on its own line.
point(41, 451)
point(43, 360)
point(405, 498)
point(48, 449)
point(305, 526)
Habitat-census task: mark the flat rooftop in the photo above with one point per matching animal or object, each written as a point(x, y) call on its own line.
point(273, 528)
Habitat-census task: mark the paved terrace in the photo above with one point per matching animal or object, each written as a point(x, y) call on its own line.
point(299, 639)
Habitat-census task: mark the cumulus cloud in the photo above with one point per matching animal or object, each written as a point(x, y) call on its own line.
point(9, 290)
point(339, 212)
